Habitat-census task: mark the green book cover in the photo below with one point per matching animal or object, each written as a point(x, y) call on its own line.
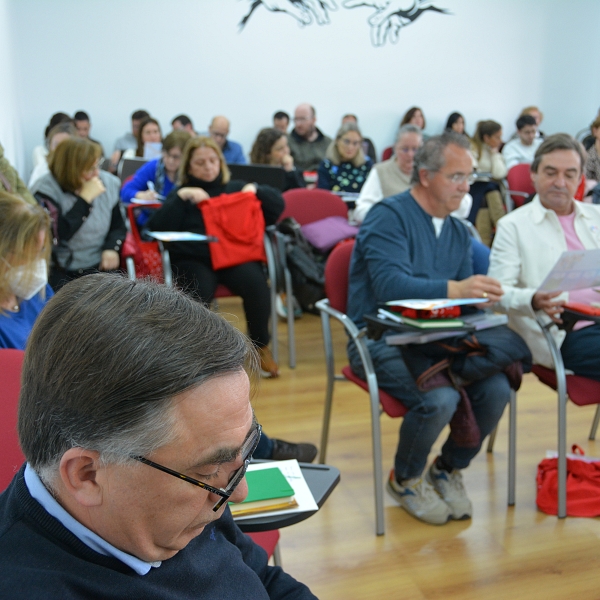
point(433, 323)
point(266, 484)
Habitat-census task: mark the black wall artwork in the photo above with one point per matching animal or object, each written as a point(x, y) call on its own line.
point(385, 23)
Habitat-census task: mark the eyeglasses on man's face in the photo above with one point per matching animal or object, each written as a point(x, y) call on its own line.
point(461, 178)
point(247, 450)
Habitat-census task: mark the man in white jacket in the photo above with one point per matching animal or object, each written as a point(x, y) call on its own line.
point(527, 245)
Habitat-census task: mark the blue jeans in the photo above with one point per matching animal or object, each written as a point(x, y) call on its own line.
point(429, 412)
point(581, 351)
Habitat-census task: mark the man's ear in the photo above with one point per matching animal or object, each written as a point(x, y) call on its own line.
point(534, 177)
point(424, 178)
point(78, 473)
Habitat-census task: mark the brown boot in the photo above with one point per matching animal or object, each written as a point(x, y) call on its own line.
point(268, 366)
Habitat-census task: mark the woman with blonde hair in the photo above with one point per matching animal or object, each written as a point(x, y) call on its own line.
point(24, 252)
point(203, 174)
point(345, 166)
point(89, 222)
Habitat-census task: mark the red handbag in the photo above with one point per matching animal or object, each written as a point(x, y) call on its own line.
point(237, 221)
point(583, 486)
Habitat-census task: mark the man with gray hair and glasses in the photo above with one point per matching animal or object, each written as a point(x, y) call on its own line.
point(410, 247)
point(528, 243)
point(136, 423)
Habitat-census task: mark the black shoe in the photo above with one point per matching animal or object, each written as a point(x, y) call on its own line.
point(301, 452)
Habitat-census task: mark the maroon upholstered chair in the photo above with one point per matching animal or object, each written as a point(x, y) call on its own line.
point(334, 306)
point(11, 457)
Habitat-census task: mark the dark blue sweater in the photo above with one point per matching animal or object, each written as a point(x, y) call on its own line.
point(39, 558)
point(397, 256)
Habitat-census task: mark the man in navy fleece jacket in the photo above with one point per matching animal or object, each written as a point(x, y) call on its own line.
point(410, 247)
point(136, 423)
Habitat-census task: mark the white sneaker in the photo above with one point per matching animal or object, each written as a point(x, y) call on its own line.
point(451, 488)
point(281, 306)
point(418, 498)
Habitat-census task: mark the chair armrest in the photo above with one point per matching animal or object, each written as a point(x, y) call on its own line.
point(570, 317)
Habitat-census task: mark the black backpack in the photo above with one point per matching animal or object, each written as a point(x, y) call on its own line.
point(306, 265)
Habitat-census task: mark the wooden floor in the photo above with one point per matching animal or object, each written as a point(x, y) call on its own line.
point(501, 552)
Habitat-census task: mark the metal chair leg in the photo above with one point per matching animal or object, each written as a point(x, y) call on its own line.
point(330, 367)
point(277, 556)
point(377, 455)
point(512, 447)
point(595, 422)
point(492, 439)
point(289, 294)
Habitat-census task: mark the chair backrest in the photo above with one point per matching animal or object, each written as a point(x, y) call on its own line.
point(308, 206)
point(337, 270)
point(129, 166)
point(11, 457)
point(519, 179)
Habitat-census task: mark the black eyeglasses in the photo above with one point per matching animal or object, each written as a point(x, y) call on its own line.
point(247, 450)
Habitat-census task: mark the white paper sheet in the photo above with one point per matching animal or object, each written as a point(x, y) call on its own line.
point(293, 473)
point(179, 236)
point(436, 303)
point(575, 270)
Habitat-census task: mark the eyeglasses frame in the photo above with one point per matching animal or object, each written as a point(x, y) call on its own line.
point(237, 476)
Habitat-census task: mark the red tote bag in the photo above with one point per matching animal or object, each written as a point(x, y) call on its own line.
point(237, 221)
point(583, 486)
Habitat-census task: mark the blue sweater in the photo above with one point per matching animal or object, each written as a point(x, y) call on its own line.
point(139, 182)
point(16, 327)
point(397, 256)
point(41, 559)
point(233, 153)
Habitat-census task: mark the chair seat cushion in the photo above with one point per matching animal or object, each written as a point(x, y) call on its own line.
point(267, 540)
point(581, 390)
point(390, 405)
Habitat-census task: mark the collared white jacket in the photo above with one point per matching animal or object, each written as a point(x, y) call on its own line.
point(527, 244)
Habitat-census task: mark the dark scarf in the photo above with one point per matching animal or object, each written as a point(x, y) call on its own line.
point(212, 188)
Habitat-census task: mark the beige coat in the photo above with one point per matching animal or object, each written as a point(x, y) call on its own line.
point(528, 243)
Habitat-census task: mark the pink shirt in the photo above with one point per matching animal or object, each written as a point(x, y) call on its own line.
point(586, 296)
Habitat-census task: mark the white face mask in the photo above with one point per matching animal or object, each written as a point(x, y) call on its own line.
point(27, 288)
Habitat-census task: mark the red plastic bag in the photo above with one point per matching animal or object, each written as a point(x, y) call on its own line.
point(583, 486)
point(237, 221)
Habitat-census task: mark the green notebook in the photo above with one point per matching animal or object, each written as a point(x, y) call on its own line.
point(433, 323)
point(268, 490)
point(266, 484)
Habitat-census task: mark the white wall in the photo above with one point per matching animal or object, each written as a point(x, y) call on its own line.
point(487, 60)
point(10, 131)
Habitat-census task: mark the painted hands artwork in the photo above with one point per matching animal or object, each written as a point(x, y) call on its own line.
point(304, 11)
point(386, 22)
point(391, 16)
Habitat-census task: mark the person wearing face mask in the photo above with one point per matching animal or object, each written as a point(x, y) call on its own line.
point(90, 224)
point(24, 250)
point(345, 167)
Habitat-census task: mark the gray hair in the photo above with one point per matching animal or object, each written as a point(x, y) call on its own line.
point(104, 361)
point(408, 128)
point(332, 152)
point(431, 154)
point(558, 141)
